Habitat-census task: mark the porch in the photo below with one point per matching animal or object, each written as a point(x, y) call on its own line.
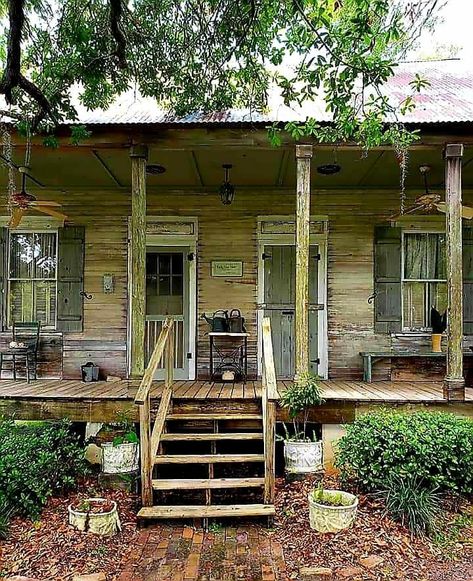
point(102, 400)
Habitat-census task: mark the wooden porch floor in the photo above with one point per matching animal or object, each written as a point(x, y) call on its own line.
point(332, 390)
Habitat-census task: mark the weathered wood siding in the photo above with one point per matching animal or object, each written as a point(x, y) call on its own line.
point(227, 232)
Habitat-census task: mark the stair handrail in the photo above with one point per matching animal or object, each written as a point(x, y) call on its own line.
point(269, 400)
point(149, 440)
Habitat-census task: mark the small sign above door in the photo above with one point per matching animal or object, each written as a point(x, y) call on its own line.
point(227, 268)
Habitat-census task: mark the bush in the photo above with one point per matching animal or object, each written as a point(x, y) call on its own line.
point(37, 461)
point(413, 505)
point(298, 398)
point(435, 447)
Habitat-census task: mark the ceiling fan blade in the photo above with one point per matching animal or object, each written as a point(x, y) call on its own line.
point(410, 210)
point(51, 212)
point(16, 216)
point(45, 203)
point(467, 212)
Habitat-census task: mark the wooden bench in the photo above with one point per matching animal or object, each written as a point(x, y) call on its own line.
point(370, 356)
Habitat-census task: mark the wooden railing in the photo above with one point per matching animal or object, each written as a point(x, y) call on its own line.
point(149, 439)
point(269, 399)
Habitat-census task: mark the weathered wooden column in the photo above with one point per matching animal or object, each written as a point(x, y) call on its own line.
point(454, 384)
point(137, 269)
point(303, 157)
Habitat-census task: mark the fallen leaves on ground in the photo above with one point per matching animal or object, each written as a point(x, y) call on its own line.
point(374, 548)
point(51, 549)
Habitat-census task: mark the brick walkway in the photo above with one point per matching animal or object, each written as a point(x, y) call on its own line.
point(177, 553)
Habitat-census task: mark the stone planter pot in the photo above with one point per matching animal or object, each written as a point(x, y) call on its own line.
point(303, 457)
point(106, 523)
point(120, 459)
point(331, 519)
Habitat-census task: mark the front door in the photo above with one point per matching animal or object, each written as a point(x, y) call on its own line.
point(167, 295)
point(279, 303)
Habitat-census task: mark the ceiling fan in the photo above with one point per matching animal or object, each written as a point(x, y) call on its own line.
point(22, 201)
point(429, 202)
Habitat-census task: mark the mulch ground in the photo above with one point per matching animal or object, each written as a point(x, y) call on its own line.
point(375, 548)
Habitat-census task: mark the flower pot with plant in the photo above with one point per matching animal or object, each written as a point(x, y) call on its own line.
point(120, 446)
point(95, 515)
point(303, 454)
point(439, 324)
point(331, 511)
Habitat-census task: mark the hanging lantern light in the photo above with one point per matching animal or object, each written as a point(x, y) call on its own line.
point(227, 189)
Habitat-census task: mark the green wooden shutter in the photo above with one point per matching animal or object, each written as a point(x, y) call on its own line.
point(468, 280)
point(70, 278)
point(387, 279)
point(3, 277)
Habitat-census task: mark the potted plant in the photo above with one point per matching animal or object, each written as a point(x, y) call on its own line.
point(303, 454)
point(95, 515)
point(120, 446)
point(331, 511)
point(439, 324)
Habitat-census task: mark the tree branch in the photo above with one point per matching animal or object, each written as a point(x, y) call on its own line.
point(11, 74)
point(116, 11)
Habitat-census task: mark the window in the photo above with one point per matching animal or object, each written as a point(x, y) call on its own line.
point(32, 277)
point(424, 279)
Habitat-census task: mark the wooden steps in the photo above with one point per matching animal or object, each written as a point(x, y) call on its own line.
point(204, 511)
point(211, 436)
point(206, 483)
point(204, 417)
point(207, 458)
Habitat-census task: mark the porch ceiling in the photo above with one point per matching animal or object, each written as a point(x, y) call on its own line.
point(201, 167)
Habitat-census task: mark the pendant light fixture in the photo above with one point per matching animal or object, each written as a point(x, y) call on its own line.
point(227, 189)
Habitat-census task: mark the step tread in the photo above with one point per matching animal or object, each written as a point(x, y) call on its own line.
point(207, 458)
point(203, 511)
point(214, 416)
point(206, 483)
point(171, 437)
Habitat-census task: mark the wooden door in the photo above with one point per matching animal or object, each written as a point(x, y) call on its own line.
point(279, 303)
point(167, 295)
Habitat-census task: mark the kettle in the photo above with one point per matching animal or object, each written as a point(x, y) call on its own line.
point(218, 321)
point(236, 322)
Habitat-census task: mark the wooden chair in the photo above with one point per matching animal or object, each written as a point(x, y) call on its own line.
point(28, 334)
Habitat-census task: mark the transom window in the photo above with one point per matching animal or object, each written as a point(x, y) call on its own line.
point(424, 278)
point(32, 277)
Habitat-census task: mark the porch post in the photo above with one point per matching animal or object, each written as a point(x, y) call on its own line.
point(454, 384)
point(139, 156)
point(303, 157)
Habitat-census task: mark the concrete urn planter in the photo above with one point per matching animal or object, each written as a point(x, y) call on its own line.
point(120, 458)
point(325, 518)
point(100, 523)
point(303, 457)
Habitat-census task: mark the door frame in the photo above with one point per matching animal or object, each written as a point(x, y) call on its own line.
point(178, 232)
point(280, 234)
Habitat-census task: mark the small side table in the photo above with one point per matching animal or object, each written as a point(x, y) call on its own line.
point(228, 351)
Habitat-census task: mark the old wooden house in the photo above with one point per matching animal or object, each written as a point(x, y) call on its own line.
point(176, 218)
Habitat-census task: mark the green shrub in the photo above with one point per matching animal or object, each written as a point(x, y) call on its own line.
point(412, 504)
point(298, 399)
point(6, 512)
point(37, 461)
point(436, 447)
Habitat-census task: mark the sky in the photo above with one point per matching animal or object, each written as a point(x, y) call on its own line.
point(455, 28)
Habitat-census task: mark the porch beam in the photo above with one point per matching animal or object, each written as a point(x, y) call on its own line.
point(303, 157)
point(137, 255)
point(454, 384)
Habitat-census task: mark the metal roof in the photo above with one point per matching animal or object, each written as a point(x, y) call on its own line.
point(448, 99)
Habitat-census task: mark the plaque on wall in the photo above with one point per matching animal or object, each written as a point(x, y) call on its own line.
point(171, 228)
point(227, 268)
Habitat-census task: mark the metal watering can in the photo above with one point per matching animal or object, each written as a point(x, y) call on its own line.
point(218, 321)
point(236, 323)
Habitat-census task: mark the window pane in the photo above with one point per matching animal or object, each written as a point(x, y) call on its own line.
point(164, 261)
point(21, 301)
point(164, 286)
point(151, 263)
point(414, 305)
point(438, 297)
point(177, 285)
point(45, 302)
point(45, 255)
point(21, 255)
point(424, 256)
point(177, 265)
